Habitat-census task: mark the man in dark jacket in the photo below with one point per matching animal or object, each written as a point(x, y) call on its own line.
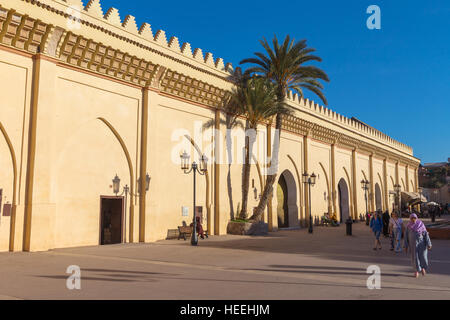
point(386, 218)
point(433, 214)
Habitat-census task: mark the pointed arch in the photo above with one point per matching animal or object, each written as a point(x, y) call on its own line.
point(287, 209)
point(344, 200)
point(328, 189)
point(12, 222)
point(297, 173)
point(384, 204)
point(381, 181)
point(130, 167)
point(378, 197)
point(349, 185)
point(364, 175)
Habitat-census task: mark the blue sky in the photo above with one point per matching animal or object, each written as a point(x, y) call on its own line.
point(396, 79)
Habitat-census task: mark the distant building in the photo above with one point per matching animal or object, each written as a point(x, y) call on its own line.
point(434, 178)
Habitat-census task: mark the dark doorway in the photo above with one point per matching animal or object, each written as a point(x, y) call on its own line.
point(283, 209)
point(111, 220)
point(343, 200)
point(379, 206)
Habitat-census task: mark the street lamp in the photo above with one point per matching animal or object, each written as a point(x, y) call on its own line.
point(420, 199)
point(147, 183)
point(365, 184)
point(436, 192)
point(309, 180)
point(397, 189)
point(200, 169)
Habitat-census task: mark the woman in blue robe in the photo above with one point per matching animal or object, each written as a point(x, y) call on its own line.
point(417, 241)
point(376, 224)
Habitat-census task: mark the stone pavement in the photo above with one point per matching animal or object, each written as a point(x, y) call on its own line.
point(286, 265)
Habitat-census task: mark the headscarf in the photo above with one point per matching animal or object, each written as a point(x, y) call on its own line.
point(417, 226)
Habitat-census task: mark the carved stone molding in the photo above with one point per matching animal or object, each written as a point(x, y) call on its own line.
point(192, 89)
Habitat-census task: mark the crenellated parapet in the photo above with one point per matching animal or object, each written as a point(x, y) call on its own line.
point(111, 20)
point(326, 113)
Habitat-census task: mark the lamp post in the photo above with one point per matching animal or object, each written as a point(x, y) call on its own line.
point(365, 184)
point(309, 180)
point(126, 190)
point(436, 192)
point(420, 199)
point(397, 189)
point(194, 168)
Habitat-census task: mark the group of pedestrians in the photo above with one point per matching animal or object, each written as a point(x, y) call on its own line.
point(416, 240)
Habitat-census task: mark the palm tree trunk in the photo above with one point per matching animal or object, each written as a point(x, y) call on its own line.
point(245, 180)
point(229, 143)
point(249, 143)
point(273, 170)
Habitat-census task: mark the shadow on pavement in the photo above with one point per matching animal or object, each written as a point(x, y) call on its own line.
point(331, 243)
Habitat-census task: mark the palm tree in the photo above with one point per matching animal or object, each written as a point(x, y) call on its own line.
point(284, 66)
point(257, 98)
point(231, 112)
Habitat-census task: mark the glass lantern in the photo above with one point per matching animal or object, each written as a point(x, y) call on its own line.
point(185, 161)
point(203, 163)
point(313, 179)
point(305, 177)
point(116, 184)
point(147, 182)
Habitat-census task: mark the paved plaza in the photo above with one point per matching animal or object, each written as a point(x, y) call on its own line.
point(289, 264)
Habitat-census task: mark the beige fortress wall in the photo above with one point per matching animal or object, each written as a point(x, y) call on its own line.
point(6, 182)
point(390, 184)
point(16, 71)
point(89, 118)
point(319, 157)
point(231, 202)
point(411, 181)
point(231, 170)
point(169, 121)
point(78, 155)
point(378, 175)
point(402, 177)
point(362, 172)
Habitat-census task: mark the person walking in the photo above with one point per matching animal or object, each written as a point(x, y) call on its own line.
point(367, 218)
point(376, 224)
point(417, 242)
point(386, 219)
point(199, 228)
point(396, 230)
point(391, 233)
point(433, 214)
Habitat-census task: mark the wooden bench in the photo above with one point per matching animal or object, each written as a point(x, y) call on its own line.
point(172, 234)
point(184, 231)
